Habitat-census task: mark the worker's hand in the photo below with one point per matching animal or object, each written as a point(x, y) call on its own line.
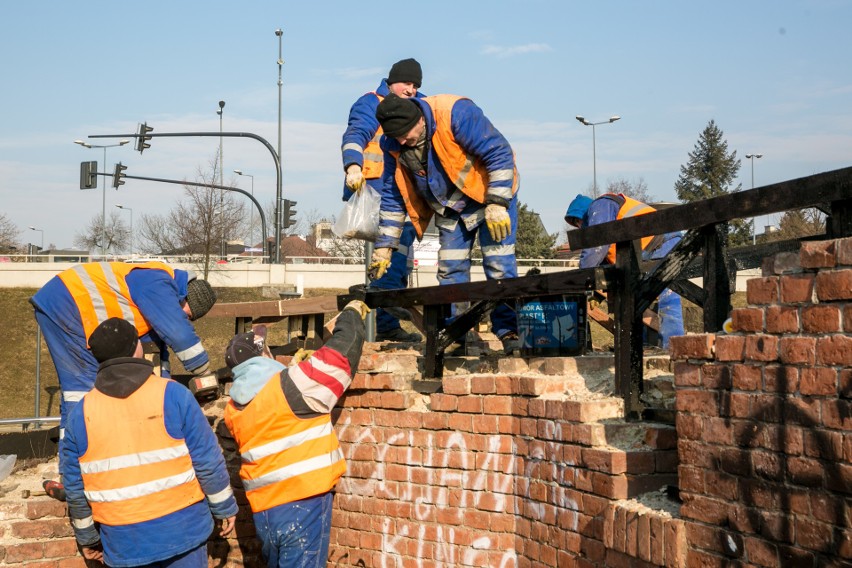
point(359, 306)
point(227, 525)
point(379, 262)
point(301, 355)
point(498, 221)
point(354, 177)
point(92, 553)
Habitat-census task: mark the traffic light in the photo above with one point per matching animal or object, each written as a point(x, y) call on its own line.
point(88, 175)
point(142, 139)
point(289, 216)
point(118, 175)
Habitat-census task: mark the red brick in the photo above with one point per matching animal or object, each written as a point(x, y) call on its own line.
point(797, 288)
point(836, 414)
point(834, 350)
point(804, 471)
point(24, 552)
point(844, 251)
point(813, 535)
point(459, 385)
point(834, 285)
point(45, 528)
point(818, 381)
point(817, 254)
point(762, 291)
point(747, 319)
point(60, 548)
point(782, 319)
point(693, 346)
point(657, 535)
point(796, 350)
point(719, 431)
point(761, 348)
point(730, 347)
point(676, 546)
point(470, 404)
point(780, 379)
point(747, 377)
point(760, 552)
point(687, 374)
point(605, 460)
point(697, 402)
point(497, 405)
point(484, 384)
point(822, 318)
point(715, 376)
point(443, 403)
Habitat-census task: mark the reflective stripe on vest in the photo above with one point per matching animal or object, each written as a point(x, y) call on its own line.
point(100, 292)
point(133, 470)
point(466, 172)
point(630, 208)
point(373, 161)
point(285, 458)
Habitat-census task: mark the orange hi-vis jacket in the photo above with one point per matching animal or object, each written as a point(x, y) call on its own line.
point(630, 208)
point(148, 474)
point(467, 172)
point(100, 291)
point(285, 458)
point(374, 161)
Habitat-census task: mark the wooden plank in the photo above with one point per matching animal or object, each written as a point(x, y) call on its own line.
point(628, 332)
point(799, 193)
point(276, 308)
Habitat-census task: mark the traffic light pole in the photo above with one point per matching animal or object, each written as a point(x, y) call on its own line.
point(210, 185)
point(275, 157)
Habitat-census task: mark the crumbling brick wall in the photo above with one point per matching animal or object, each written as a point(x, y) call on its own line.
point(764, 419)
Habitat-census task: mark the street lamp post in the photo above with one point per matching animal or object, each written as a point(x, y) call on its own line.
point(251, 212)
point(131, 225)
point(753, 219)
point(594, 144)
point(103, 207)
point(220, 112)
point(41, 248)
point(279, 32)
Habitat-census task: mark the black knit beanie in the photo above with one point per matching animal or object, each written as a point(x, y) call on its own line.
point(406, 71)
point(113, 338)
point(200, 296)
point(397, 115)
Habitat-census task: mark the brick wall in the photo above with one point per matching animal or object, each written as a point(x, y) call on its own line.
point(764, 419)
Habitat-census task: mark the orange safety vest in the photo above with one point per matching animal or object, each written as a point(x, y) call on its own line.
point(467, 172)
point(133, 471)
point(374, 161)
point(285, 458)
point(100, 291)
point(630, 208)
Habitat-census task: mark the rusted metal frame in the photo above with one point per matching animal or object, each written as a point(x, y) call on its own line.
point(628, 330)
point(717, 280)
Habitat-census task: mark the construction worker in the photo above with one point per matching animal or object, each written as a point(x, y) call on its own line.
point(443, 157)
point(362, 162)
point(140, 459)
point(291, 458)
point(584, 211)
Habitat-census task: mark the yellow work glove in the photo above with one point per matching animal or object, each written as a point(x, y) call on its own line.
point(354, 177)
point(359, 307)
point(301, 355)
point(498, 221)
point(379, 262)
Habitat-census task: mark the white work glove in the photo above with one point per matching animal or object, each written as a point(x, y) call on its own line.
point(379, 262)
point(360, 307)
point(498, 221)
point(354, 177)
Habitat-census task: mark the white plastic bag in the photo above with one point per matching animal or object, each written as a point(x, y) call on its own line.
point(7, 463)
point(360, 216)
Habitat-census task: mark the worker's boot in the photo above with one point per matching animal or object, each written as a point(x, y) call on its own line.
point(399, 334)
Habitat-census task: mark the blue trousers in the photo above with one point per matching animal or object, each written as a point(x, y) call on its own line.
point(396, 276)
point(195, 558)
point(498, 260)
point(296, 535)
point(668, 303)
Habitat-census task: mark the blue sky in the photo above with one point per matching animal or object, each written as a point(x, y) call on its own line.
point(773, 75)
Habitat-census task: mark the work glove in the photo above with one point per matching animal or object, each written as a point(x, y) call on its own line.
point(301, 355)
point(354, 177)
point(379, 262)
point(359, 306)
point(498, 221)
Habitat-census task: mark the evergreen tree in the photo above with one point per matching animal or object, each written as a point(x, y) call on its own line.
point(532, 240)
point(710, 172)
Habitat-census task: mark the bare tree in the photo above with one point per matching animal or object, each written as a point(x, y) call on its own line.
point(199, 225)
point(9, 232)
point(797, 223)
point(637, 189)
point(116, 232)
